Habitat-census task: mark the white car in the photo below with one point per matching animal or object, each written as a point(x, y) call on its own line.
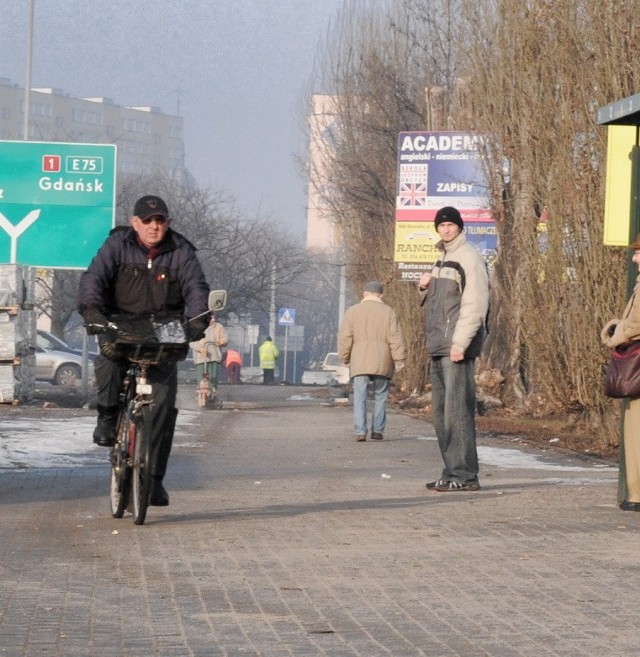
point(60, 367)
point(332, 363)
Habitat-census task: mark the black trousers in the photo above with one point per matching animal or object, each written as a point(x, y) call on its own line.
point(164, 378)
point(267, 376)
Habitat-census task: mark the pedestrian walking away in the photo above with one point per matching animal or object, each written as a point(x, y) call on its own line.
point(371, 343)
point(614, 333)
point(268, 353)
point(456, 296)
point(141, 272)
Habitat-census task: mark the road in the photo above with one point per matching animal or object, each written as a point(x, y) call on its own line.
point(285, 537)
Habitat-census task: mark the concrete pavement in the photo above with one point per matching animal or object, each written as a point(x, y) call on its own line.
point(285, 537)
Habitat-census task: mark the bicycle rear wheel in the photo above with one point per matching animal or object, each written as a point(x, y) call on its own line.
point(120, 489)
point(141, 472)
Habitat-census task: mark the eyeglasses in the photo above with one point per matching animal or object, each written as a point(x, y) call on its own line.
point(157, 218)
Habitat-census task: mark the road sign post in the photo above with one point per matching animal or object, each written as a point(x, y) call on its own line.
point(286, 318)
point(57, 202)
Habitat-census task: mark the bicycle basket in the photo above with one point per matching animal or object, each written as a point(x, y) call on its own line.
point(140, 339)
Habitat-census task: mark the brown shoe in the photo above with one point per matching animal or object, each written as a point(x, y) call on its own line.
point(376, 436)
point(361, 437)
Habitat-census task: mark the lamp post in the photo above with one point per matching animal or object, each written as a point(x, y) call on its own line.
point(27, 82)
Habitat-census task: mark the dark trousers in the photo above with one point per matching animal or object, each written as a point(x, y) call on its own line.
point(233, 372)
point(164, 378)
point(267, 376)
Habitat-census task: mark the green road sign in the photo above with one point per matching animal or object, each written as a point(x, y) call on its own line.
point(57, 202)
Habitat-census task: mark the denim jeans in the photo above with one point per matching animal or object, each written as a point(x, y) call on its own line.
point(380, 394)
point(453, 399)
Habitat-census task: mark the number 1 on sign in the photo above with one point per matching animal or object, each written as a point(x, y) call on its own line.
point(51, 163)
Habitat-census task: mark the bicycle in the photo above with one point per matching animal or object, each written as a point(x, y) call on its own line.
point(131, 479)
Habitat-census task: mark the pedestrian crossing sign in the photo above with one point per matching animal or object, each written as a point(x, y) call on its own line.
point(287, 316)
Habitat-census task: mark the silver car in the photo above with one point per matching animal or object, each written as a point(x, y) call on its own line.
point(60, 367)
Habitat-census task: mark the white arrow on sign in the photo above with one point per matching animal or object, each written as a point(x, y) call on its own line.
point(15, 231)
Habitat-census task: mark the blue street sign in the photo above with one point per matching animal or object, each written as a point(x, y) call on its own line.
point(286, 316)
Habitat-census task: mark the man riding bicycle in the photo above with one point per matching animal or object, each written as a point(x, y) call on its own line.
point(146, 270)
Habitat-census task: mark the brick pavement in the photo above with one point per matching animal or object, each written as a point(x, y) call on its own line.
point(284, 538)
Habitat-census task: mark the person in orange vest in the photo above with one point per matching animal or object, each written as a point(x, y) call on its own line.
point(233, 363)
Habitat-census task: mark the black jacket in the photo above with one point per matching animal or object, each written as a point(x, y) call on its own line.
point(123, 279)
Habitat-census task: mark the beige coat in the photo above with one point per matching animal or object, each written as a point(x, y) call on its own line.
point(369, 339)
point(208, 349)
point(623, 330)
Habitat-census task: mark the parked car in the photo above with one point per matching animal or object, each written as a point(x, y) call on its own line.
point(332, 363)
point(49, 341)
point(60, 367)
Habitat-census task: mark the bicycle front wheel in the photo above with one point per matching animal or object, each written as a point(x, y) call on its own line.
point(141, 466)
point(120, 489)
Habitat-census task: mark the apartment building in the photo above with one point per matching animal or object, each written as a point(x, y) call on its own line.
point(321, 233)
point(147, 140)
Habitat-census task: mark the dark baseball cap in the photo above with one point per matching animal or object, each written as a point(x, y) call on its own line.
point(149, 206)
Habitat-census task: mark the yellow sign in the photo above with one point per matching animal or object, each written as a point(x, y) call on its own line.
point(416, 242)
point(617, 203)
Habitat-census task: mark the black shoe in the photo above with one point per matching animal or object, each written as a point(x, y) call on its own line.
point(159, 496)
point(630, 506)
point(432, 484)
point(376, 435)
point(105, 432)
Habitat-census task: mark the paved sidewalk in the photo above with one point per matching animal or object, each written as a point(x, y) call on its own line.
point(285, 537)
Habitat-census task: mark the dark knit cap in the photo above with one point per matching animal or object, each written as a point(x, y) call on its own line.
point(448, 213)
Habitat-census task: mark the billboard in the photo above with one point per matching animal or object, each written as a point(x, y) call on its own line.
point(436, 169)
point(617, 205)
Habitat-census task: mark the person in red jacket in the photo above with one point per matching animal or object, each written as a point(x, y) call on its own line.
point(233, 363)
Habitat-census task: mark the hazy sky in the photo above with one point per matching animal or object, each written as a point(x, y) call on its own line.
point(239, 71)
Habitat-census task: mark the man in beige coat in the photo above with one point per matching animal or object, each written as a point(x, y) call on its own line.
point(370, 342)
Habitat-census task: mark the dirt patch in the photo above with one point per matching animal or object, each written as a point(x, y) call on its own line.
point(51, 396)
point(556, 432)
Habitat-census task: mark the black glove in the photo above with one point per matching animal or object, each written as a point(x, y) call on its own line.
point(196, 328)
point(94, 321)
point(108, 350)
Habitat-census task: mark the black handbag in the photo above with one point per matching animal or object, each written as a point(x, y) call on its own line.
point(622, 378)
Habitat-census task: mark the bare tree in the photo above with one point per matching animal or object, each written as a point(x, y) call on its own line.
point(246, 257)
point(530, 75)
